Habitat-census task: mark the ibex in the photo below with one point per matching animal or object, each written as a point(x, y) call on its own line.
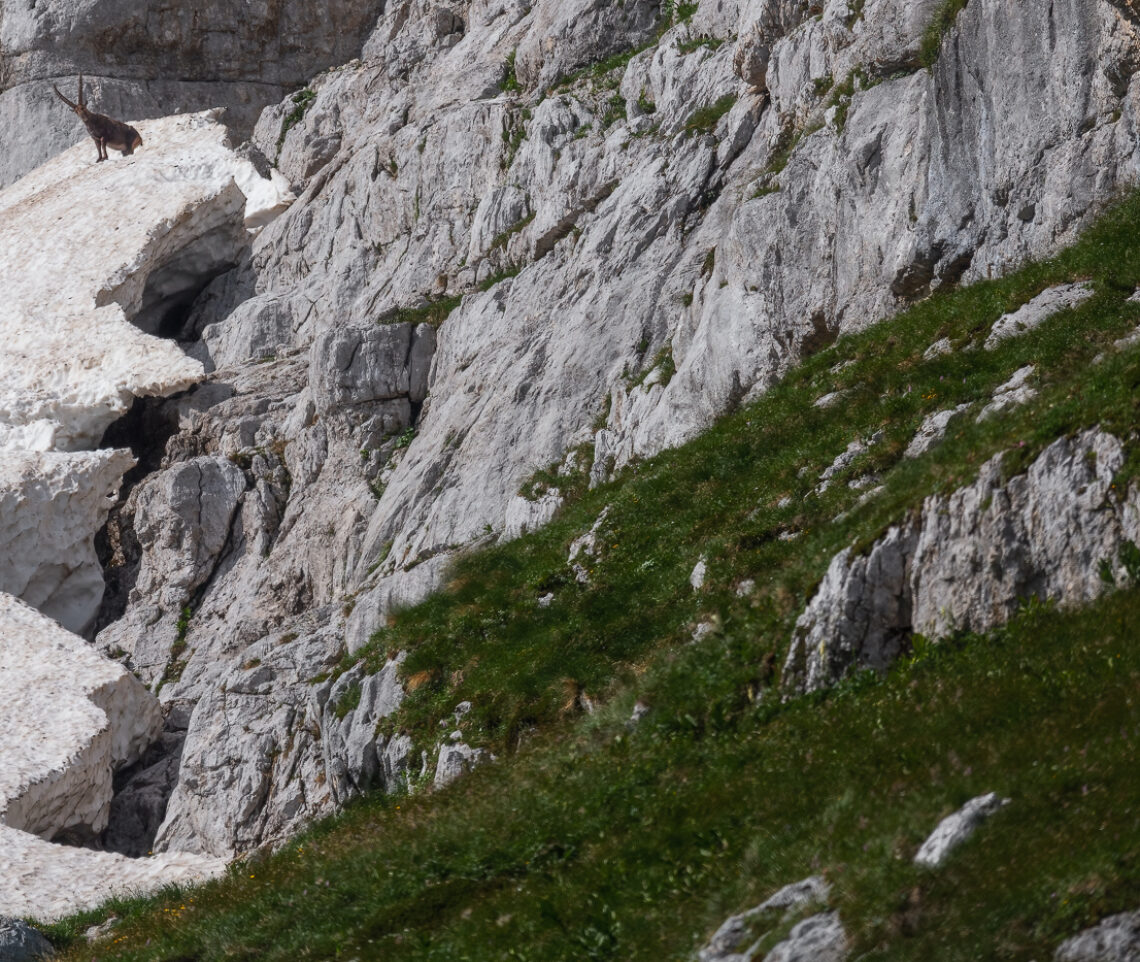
point(103, 130)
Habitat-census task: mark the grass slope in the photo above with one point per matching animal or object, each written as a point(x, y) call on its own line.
point(590, 841)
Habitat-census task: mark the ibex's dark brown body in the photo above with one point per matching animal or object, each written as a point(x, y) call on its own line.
point(103, 130)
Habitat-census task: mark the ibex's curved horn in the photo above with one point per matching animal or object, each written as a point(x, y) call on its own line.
point(82, 102)
point(62, 97)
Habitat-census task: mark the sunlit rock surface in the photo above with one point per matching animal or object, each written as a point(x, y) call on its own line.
point(50, 506)
point(85, 248)
point(97, 258)
point(69, 717)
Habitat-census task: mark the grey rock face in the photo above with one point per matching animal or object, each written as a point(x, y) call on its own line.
point(1044, 534)
point(730, 943)
point(182, 520)
point(574, 33)
point(817, 939)
point(355, 757)
point(860, 616)
point(377, 363)
point(1036, 312)
point(19, 942)
point(455, 760)
point(149, 60)
point(1116, 939)
point(1016, 391)
point(251, 768)
point(932, 431)
point(654, 290)
point(971, 559)
point(953, 830)
point(367, 237)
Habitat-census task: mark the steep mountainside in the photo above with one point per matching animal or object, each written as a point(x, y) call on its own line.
point(554, 235)
point(535, 247)
point(654, 784)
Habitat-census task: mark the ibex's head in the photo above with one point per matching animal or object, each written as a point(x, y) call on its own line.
point(81, 107)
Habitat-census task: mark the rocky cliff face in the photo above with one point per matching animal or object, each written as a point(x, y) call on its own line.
point(1059, 532)
point(73, 364)
point(527, 235)
point(611, 253)
point(157, 59)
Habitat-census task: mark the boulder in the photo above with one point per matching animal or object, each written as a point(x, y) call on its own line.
point(1116, 939)
point(954, 829)
point(19, 942)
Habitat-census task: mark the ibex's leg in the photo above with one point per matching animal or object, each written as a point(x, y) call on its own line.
point(99, 148)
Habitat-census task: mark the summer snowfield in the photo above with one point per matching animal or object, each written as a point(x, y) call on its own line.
point(518, 479)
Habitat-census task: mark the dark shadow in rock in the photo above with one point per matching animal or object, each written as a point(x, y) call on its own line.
point(141, 794)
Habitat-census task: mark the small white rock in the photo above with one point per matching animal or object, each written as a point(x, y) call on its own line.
point(953, 830)
point(936, 349)
point(1012, 393)
point(703, 630)
point(1115, 939)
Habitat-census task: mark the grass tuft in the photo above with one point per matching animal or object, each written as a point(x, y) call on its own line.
point(939, 26)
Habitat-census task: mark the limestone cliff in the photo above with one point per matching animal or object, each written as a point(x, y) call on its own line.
point(156, 59)
point(565, 233)
point(619, 250)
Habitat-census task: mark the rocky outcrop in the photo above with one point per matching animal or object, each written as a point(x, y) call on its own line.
point(955, 829)
point(275, 747)
point(971, 559)
point(860, 617)
point(819, 937)
point(156, 59)
point(1037, 311)
point(19, 942)
point(1116, 939)
point(730, 942)
point(70, 718)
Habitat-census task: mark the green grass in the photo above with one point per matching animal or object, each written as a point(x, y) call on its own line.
point(487, 283)
point(511, 83)
point(433, 312)
point(302, 101)
point(349, 701)
point(695, 43)
point(605, 73)
point(944, 17)
point(588, 841)
point(514, 135)
point(703, 120)
point(501, 240)
point(615, 111)
point(636, 845)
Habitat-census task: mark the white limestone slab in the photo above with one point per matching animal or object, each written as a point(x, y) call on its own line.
point(50, 506)
point(68, 716)
point(78, 243)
